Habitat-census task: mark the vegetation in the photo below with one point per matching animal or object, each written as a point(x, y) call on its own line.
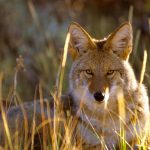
point(32, 60)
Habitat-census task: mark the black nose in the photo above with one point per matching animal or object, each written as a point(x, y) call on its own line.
point(99, 96)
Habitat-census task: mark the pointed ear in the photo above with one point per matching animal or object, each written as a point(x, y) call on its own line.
point(120, 41)
point(80, 41)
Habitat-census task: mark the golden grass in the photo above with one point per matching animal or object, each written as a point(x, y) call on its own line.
point(59, 140)
point(143, 67)
point(52, 135)
point(4, 116)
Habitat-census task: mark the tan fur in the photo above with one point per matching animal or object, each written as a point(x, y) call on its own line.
point(100, 121)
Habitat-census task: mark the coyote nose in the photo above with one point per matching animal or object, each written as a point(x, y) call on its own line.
point(99, 96)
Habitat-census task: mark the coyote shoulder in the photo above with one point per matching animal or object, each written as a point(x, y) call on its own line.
point(104, 88)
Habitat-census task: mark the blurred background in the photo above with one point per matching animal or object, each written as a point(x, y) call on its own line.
point(32, 36)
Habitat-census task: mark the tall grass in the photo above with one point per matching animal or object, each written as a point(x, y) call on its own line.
point(57, 129)
point(57, 132)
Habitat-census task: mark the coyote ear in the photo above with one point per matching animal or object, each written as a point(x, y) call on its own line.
point(120, 41)
point(80, 41)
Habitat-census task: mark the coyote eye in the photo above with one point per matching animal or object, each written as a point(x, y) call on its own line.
point(89, 72)
point(110, 72)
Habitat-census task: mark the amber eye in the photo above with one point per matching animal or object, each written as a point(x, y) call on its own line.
point(110, 72)
point(88, 71)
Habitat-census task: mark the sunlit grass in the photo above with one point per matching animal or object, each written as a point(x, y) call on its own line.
point(57, 132)
point(4, 116)
point(53, 135)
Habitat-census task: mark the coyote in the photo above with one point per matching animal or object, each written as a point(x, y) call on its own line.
point(107, 100)
point(104, 88)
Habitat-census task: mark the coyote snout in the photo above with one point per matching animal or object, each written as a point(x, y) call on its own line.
point(99, 96)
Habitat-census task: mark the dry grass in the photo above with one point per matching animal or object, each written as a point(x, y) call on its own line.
point(57, 132)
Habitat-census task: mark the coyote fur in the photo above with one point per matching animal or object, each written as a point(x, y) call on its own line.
point(104, 88)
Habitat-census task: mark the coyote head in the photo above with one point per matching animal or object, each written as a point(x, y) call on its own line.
point(100, 66)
